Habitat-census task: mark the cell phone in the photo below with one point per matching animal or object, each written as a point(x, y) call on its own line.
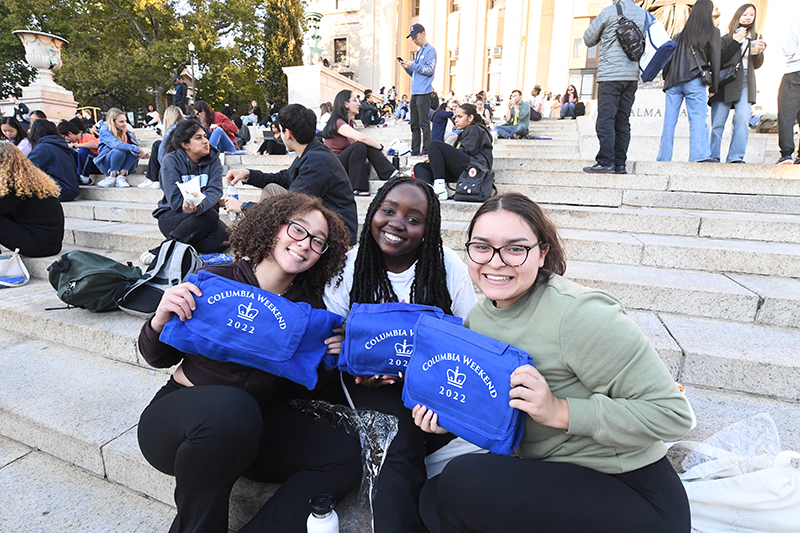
point(399, 58)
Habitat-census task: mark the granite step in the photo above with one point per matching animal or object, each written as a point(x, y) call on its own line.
point(84, 409)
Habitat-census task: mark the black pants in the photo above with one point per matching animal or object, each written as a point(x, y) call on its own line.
point(32, 242)
point(498, 494)
point(272, 147)
point(205, 232)
point(420, 122)
point(446, 162)
point(354, 160)
point(613, 126)
point(788, 112)
point(153, 166)
point(210, 436)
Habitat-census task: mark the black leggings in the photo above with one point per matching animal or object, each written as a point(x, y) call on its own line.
point(354, 158)
point(272, 147)
point(498, 494)
point(446, 162)
point(205, 232)
point(210, 436)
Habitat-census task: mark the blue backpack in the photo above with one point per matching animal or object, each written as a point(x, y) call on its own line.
point(464, 377)
point(239, 323)
point(379, 337)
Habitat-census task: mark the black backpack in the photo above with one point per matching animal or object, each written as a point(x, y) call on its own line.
point(475, 184)
point(89, 280)
point(175, 261)
point(629, 36)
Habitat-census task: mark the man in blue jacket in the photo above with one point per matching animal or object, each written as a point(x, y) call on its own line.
point(316, 171)
point(421, 71)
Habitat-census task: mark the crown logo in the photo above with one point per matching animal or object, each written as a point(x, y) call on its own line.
point(456, 378)
point(403, 350)
point(247, 313)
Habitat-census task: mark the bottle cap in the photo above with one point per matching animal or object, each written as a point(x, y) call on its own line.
point(322, 504)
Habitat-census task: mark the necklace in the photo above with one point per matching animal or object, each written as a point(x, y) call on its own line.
point(255, 268)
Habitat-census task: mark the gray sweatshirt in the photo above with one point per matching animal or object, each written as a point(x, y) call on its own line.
point(613, 64)
point(178, 168)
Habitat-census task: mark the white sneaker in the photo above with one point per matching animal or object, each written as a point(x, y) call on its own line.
point(146, 258)
point(146, 184)
point(85, 180)
point(108, 181)
point(122, 182)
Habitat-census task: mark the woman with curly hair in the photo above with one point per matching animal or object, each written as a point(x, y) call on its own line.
point(400, 258)
point(31, 217)
point(214, 422)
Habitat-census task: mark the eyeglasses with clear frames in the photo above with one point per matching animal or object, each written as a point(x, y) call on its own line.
point(299, 233)
point(513, 255)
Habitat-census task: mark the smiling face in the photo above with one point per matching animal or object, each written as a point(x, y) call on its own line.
point(748, 16)
point(121, 123)
point(399, 226)
point(9, 131)
point(197, 147)
point(499, 282)
point(294, 257)
point(461, 119)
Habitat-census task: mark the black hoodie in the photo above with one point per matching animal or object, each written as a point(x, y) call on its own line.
point(53, 156)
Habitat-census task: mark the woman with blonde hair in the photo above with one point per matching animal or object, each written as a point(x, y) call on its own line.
point(172, 115)
point(118, 151)
point(31, 217)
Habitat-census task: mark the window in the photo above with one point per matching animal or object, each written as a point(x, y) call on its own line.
point(415, 9)
point(340, 50)
point(346, 4)
point(577, 46)
point(455, 5)
point(451, 75)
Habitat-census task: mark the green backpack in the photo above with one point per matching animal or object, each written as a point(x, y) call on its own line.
point(89, 280)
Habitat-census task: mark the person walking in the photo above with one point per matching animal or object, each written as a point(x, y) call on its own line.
point(789, 94)
point(746, 49)
point(617, 78)
point(698, 44)
point(421, 71)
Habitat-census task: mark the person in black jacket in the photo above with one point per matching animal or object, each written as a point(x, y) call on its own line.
point(31, 217)
point(745, 48)
point(179, 100)
point(214, 422)
point(698, 52)
point(474, 144)
point(316, 171)
point(53, 155)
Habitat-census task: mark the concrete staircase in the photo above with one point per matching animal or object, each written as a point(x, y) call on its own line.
point(705, 257)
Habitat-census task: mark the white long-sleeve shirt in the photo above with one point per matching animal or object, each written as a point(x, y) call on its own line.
point(791, 46)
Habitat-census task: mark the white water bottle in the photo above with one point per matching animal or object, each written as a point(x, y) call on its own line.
point(232, 215)
point(440, 189)
point(323, 519)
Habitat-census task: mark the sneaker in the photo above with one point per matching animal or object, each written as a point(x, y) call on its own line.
point(122, 182)
point(146, 258)
point(108, 181)
point(797, 161)
point(85, 180)
point(622, 169)
point(597, 168)
point(785, 160)
point(146, 184)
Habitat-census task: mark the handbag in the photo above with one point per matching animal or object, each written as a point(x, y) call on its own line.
point(13, 272)
point(728, 74)
point(705, 75)
point(379, 337)
point(239, 323)
point(475, 184)
point(464, 377)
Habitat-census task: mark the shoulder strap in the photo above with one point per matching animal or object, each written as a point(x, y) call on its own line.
point(619, 9)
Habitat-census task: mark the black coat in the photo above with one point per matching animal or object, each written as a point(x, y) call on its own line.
point(53, 156)
point(476, 142)
point(731, 55)
point(683, 65)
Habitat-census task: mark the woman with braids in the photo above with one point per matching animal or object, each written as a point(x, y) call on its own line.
point(400, 258)
point(214, 422)
point(597, 406)
point(31, 217)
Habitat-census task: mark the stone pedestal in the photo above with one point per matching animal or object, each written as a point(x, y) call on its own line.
point(43, 52)
point(310, 85)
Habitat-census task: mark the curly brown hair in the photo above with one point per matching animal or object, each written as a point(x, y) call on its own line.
point(19, 177)
point(253, 237)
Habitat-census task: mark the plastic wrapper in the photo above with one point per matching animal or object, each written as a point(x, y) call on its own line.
point(191, 191)
point(375, 430)
point(741, 448)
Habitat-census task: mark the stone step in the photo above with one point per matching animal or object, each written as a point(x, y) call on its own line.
point(111, 235)
point(84, 409)
point(754, 203)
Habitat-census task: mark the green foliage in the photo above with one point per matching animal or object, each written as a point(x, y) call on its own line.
point(126, 53)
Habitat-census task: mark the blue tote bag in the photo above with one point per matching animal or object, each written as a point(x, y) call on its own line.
point(239, 323)
point(464, 377)
point(379, 337)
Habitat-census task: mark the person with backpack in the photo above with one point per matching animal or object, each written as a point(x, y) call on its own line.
point(178, 219)
point(691, 74)
point(53, 155)
point(214, 422)
point(617, 79)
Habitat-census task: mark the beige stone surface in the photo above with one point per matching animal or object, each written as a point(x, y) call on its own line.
point(781, 298)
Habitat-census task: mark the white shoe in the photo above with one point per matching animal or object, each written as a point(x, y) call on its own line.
point(85, 180)
point(147, 184)
point(108, 181)
point(122, 182)
point(146, 258)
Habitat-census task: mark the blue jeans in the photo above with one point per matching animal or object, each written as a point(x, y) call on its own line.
point(568, 109)
point(220, 140)
point(121, 160)
point(694, 92)
point(741, 130)
point(506, 132)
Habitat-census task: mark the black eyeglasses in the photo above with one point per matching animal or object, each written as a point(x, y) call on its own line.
point(513, 255)
point(299, 233)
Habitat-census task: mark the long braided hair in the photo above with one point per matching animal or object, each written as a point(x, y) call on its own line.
point(371, 280)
